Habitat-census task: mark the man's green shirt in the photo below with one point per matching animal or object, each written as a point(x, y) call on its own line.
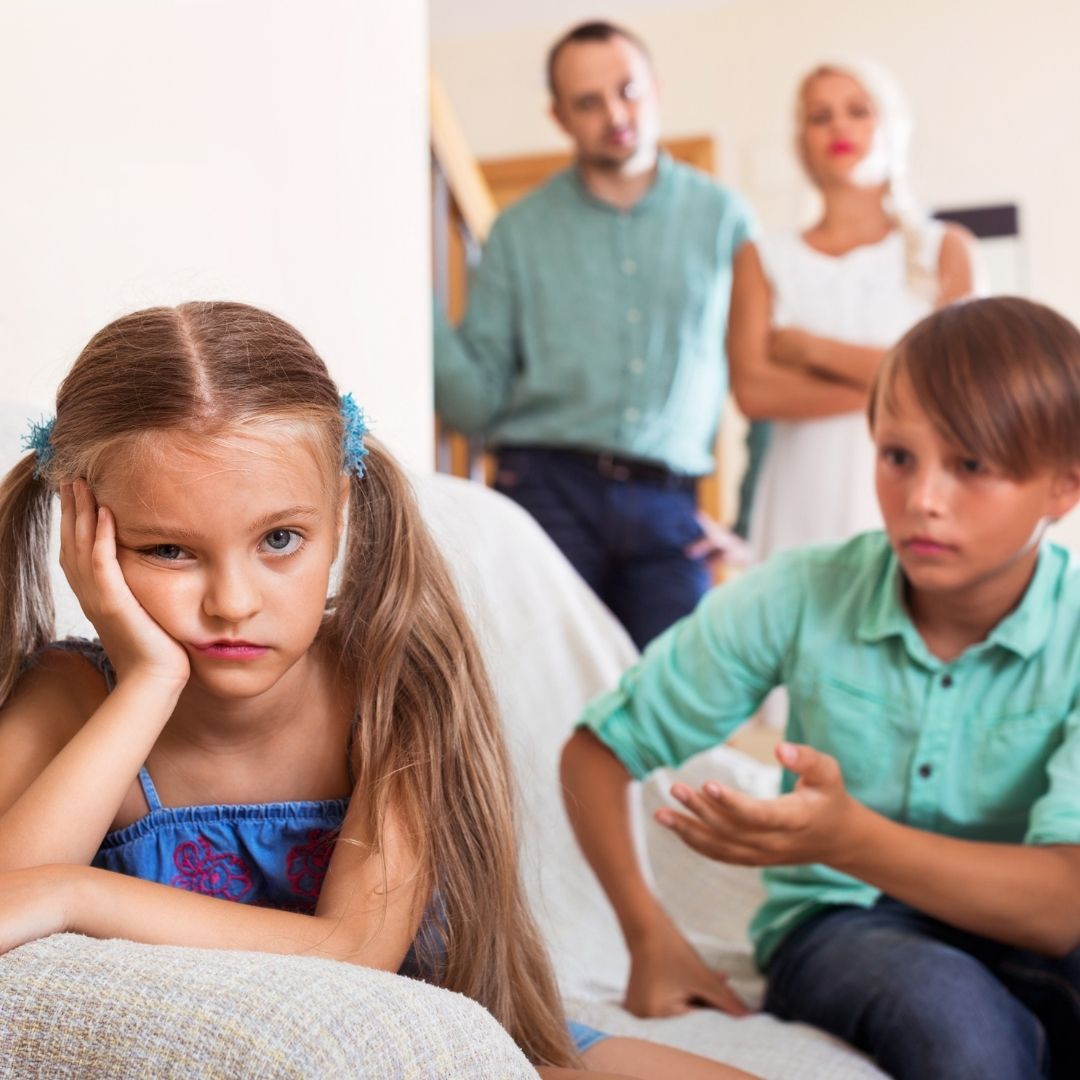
point(590, 327)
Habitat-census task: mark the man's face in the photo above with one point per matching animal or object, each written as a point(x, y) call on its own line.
point(607, 101)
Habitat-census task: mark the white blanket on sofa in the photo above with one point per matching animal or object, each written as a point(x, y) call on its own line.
point(551, 645)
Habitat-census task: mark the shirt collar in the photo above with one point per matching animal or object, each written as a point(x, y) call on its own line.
point(657, 190)
point(1023, 631)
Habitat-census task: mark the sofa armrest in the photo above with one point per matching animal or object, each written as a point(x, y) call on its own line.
point(72, 1006)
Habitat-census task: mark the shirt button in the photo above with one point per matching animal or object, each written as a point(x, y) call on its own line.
point(637, 365)
point(632, 415)
point(946, 681)
point(633, 316)
point(925, 771)
point(629, 267)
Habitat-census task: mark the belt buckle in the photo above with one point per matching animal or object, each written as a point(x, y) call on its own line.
point(607, 466)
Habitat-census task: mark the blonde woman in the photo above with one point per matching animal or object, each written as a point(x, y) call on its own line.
point(813, 312)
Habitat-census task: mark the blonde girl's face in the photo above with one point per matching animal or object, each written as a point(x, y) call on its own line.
point(838, 129)
point(959, 525)
point(228, 547)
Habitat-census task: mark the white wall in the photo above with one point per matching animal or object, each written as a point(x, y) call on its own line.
point(258, 150)
point(994, 86)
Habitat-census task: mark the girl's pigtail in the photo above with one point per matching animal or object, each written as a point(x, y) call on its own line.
point(430, 744)
point(27, 617)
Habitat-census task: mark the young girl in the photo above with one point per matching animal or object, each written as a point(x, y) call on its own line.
point(243, 762)
point(813, 311)
point(924, 858)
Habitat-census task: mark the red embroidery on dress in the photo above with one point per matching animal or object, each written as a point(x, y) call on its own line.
point(306, 864)
point(213, 873)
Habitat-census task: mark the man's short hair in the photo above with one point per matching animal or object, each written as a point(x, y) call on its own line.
point(589, 31)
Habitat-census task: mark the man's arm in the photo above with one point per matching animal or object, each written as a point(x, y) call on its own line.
point(474, 364)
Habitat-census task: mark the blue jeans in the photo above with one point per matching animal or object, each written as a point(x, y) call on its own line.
point(626, 538)
point(927, 1000)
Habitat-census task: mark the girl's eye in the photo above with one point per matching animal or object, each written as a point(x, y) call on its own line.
point(282, 541)
point(972, 466)
point(894, 456)
point(167, 552)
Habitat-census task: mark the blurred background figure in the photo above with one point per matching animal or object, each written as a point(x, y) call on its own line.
point(591, 356)
point(814, 311)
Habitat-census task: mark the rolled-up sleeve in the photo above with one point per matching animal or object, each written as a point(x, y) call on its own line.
point(705, 676)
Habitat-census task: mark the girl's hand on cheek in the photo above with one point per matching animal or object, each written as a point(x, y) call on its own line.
point(134, 642)
point(809, 824)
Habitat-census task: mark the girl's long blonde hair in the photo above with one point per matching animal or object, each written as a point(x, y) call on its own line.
point(429, 739)
point(894, 128)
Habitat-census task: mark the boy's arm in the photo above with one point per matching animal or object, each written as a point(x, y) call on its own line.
point(666, 974)
point(1020, 894)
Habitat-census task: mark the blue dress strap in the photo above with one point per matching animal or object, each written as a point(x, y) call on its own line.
point(148, 789)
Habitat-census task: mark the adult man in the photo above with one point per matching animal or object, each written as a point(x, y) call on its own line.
point(592, 353)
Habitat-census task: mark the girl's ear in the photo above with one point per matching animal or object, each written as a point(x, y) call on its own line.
point(1065, 492)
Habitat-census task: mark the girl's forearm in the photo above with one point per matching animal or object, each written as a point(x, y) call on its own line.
point(63, 815)
point(103, 904)
point(1023, 895)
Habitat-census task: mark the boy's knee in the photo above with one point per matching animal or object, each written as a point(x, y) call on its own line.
point(955, 1019)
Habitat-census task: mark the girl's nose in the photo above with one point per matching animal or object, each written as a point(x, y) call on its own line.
point(231, 595)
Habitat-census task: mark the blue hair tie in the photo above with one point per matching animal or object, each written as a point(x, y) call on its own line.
point(352, 443)
point(39, 439)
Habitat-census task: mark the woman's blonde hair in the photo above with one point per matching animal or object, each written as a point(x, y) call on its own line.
point(429, 741)
point(894, 127)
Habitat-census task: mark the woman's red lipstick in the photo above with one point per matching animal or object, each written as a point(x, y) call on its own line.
point(841, 146)
point(226, 649)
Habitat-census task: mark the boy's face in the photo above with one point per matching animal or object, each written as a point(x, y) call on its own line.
point(959, 525)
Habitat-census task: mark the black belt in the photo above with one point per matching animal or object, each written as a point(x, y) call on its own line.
point(616, 467)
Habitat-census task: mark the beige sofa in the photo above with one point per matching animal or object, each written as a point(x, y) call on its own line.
point(71, 1006)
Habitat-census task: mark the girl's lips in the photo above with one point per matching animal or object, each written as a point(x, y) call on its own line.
point(232, 650)
point(841, 146)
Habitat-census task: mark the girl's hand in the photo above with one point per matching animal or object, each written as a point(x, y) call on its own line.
point(810, 824)
point(33, 904)
point(790, 346)
point(133, 641)
point(668, 978)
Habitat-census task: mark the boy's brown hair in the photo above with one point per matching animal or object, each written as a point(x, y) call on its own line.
point(999, 378)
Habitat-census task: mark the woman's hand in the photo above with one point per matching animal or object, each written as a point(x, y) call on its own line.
point(134, 642)
point(33, 904)
point(667, 978)
point(810, 824)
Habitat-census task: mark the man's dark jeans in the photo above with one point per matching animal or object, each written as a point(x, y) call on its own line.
point(626, 538)
point(926, 1000)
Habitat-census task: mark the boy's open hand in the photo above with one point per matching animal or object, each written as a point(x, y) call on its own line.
point(809, 824)
point(133, 641)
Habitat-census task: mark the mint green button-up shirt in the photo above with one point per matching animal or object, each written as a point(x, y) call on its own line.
point(984, 747)
point(596, 328)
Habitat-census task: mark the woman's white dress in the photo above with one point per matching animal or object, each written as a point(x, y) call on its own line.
point(817, 482)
